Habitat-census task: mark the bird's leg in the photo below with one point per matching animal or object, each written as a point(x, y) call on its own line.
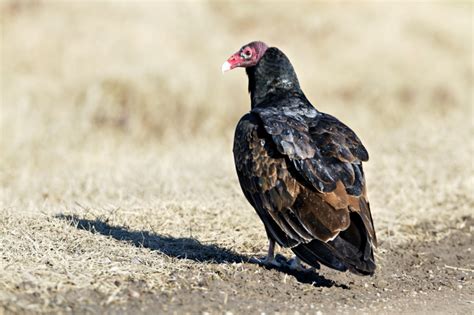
point(271, 252)
point(269, 260)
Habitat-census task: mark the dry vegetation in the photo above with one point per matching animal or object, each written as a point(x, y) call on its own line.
point(116, 171)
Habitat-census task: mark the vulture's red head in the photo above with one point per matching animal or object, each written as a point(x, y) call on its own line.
point(247, 56)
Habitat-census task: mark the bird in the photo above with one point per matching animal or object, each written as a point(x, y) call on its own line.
point(301, 170)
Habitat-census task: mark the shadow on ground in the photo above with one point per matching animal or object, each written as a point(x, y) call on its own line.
point(184, 247)
point(178, 247)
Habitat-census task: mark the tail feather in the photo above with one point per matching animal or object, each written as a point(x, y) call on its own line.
point(350, 250)
point(318, 251)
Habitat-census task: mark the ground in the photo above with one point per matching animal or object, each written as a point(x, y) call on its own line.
point(118, 189)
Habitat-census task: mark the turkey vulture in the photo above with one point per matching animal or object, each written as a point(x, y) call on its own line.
point(301, 169)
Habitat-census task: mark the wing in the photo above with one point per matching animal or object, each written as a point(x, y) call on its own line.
point(265, 179)
point(325, 158)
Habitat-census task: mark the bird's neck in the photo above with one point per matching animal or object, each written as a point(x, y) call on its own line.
point(272, 78)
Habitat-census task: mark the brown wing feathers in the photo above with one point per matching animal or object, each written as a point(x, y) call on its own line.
point(264, 179)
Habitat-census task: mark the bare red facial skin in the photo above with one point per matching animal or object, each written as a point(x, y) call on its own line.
point(248, 56)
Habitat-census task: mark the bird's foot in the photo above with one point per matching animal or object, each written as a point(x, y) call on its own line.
point(267, 261)
point(295, 264)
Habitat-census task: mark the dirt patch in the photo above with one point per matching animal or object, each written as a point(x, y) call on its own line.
point(416, 277)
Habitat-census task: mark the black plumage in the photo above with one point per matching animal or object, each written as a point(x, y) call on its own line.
point(301, 170)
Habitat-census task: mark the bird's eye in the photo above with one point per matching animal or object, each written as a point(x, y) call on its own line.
point(246, 54)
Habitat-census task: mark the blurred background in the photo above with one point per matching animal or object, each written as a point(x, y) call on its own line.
point(116, 112)
point(100, 95)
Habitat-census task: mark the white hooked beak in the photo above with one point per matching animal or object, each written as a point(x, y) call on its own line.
point(226, 66)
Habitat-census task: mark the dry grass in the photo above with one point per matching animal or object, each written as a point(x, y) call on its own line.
point(116, 119)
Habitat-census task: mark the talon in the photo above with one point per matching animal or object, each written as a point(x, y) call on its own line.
point(295, 264)
point(270, 260)
point(266, 261)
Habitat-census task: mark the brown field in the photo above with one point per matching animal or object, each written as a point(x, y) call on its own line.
point(118, 189)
